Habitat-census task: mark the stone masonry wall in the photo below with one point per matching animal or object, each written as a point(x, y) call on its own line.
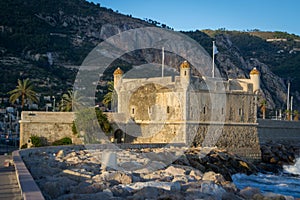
point(279, 131)
point(241, 139)
point(50, 125)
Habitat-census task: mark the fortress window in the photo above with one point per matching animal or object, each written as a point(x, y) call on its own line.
point(222, 111)
point(185, 73)
point(240, 111)
point(149, 110)
point(168, 109)
point(204, 110)
point(132, 111)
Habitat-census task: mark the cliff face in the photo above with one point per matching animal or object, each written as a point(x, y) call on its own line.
point(46, 40)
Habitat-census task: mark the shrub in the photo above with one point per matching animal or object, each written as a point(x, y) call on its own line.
point(36, 141)
point(74, 129)
point(63, 141)
point(24, 146)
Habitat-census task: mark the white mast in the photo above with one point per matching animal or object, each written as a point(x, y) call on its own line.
point(215, 51)
point(288, 98)
point(163, 62)
point(213, 67)
point(291, 108)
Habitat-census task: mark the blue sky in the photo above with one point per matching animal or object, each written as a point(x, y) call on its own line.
point(265, 15)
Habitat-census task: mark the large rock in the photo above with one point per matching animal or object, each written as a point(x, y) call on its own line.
point(209, 187)
point(214, 177)
point(249, 192)
point(57, 186)
point(175, 171)
point(95, 196)
point(278, 154)
point(170, 186)
point(117, 176)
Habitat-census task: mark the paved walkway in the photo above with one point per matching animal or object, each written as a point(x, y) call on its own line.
point(9, 188)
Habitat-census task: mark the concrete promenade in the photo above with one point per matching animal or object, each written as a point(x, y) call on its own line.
point(9, 187)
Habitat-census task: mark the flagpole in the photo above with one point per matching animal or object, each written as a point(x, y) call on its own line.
point(288, 97)
point(291, 117)
point(213, 67)
point(163, 62)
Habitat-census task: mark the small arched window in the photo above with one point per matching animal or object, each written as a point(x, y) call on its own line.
point(240, 111)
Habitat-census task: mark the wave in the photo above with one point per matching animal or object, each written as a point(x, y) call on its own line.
point(293, 169)
point(286, 184)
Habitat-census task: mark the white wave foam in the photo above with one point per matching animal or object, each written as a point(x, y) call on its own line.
point(285, 185)
point(293, 169)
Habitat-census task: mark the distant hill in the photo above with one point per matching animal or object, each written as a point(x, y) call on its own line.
point(46, 40)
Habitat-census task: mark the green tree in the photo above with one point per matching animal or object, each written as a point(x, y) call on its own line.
point(103, 121)
point(296, 115)
point(263, 108)
point(69, 101)
point(89, 120)
point(25, 90)
point(110, 94)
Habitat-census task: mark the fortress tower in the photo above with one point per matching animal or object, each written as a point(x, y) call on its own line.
point(255, 79)
point(185, 74)
point(118, 73)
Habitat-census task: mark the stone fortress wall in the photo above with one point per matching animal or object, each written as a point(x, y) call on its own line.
point(50, 125)
point(234, 137)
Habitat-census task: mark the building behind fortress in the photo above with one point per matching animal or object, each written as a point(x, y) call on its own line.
point(192, 110)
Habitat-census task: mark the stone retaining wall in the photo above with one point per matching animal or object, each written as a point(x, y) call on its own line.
point(50, 125)
point(241, 139)
point(279, 131)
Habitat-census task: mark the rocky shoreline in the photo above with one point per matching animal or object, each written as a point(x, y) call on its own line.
point(196, 173)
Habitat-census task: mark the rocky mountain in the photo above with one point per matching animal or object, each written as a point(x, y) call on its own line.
point(47, 41)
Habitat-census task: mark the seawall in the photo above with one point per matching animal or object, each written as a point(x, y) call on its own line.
point(285, 132)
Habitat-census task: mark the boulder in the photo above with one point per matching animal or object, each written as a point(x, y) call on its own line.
point(175, 171)
point(214, 177)
point(181, 179)
point(249, 192)
point(118, 176)
point(131, 166)
point(170, 186)
point(196, 174)
point(209, 187)
point(57, 186)
point(95, 196)
point(60, 154)
point(147, 192)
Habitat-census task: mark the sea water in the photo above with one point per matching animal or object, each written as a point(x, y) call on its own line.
point(288, 183)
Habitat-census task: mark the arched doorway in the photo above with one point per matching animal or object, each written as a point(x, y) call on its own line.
point(119, 136)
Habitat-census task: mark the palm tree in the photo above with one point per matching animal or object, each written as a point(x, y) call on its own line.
point(263, 107)
point(24, 89)
point(296, 115)
point(110, 94)
point(70, 100)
